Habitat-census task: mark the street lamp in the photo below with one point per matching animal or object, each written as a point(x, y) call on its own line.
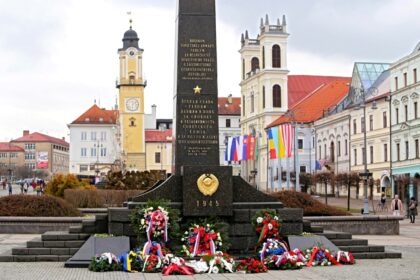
point(372, 91)
point(162, 146)
point(98, 146)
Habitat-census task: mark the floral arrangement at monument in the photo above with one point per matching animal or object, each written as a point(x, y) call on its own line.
point(173, 265)
point(272, 247)
point(202, 240)
point(105, 262)
point(152, 263)
point(266, 224)
point(344, 257)
point(250, 265)
point(320, 257)
point(132, 261)
point(219, 262)
point(288, 260)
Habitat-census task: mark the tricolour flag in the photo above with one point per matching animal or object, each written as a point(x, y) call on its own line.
point(275, 133)
point(281, 153)
point(256, 149)
point(271, 148)
point(288, 138)
point(252, 148)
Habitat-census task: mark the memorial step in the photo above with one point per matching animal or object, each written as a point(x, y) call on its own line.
point(377, 255)
point(44, 251)
point(63, 235)
point(336, 235)
point(363, 248)
point(349, 242)
point(76, 229)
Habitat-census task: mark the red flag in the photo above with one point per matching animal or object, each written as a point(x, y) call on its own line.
point(252, 149)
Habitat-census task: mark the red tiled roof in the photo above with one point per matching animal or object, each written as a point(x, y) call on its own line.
point(299, 86)
point(7, 147)
point(96, 115)
point(313, 105)
point(226, 108)
point(155, 135)
point(39, 137)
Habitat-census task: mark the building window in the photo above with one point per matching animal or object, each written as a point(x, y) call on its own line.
point(385, 152)
point(227, 122)
point(93, 152)
point(157, 157)
point(263, 97)
point(319, 152)
point(362, 124)
point(243, 106)
point(397, 116)
point(325, 151)
point(29, 156)
point(384, 120)
point(345, 147)
point(276, 96)
point(83, 152)
point(354, 127)
point(338, 148)
point(415, 75)
point(406, 149)
point(83, 135)
point(93, 135)
point(103, 135)
point(355, 156)
point(398, 151)
point(415, 109)
point(302, 169)
point(243, 69)
point(92, 167)
point(300, 144)
point(263, 57)
point(29, 146)
point(406, 112)
point(252, 102)
point(255, 64)
point(416, 143)
point(405, 79)
point(332, 150)
point(276, 56)
point(363, 155)
point(103, 152)
point(132, 122)
point(396, 83)
point(371, 122)
point(131, 81)
point(371, 154)
point(83, 167)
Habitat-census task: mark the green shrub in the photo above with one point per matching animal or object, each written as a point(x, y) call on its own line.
point(98, 198)
point(36, 206)
point(310, 206)
point(60, 183)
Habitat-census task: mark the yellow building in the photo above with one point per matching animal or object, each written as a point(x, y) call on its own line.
point(131, 103)
point(159, 150)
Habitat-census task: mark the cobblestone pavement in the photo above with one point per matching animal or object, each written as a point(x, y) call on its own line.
point(15, 190)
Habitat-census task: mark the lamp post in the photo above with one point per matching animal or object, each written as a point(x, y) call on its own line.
point(162, 146)
point(366, 174)
point(98, 146)
point(9, 170)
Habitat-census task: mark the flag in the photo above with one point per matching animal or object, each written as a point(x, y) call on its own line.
point(242, 147)
point(252, 148)
point(317, 165)
point(256, 149)
point(271, 148)
point(228, 149)
point(275, 133)
point(235, 148)
point(288, 138)
point(248, 147)
point(281, 149)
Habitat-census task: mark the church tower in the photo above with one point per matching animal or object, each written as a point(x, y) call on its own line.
point(131, 102)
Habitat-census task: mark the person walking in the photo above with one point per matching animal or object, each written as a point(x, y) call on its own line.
point(9, 185)
point(412, 210)
point(4, 184)
point(396, 206)
point(25, 187)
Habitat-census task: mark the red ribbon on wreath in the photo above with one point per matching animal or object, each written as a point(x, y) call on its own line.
point(327, 254)
point(174, 268)
point(203, 242)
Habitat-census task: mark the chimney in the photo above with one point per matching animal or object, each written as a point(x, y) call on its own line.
point(229, 99)
point(63, 138)
point(25, 132)
point(154, 110)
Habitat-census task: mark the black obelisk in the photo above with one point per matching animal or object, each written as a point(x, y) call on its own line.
point(196, 132)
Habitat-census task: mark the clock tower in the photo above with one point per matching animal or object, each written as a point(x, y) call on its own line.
point(131, 102)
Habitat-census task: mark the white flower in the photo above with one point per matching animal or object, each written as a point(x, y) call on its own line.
point(276, 218)
point(182, 239)
point(142, 221)
point(186, 232)
point(329, 263)
point(215, 269)
point(184, 247)
point(220, 243)
point(259, 220)
point(270, 226)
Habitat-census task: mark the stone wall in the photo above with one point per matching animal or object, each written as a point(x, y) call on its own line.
point(37, 225)
point(369, 225)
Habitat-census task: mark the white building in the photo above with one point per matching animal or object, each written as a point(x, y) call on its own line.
point(405, 123)
point(93, 142)
point(229, 110)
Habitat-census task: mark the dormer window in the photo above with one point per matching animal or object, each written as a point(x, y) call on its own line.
point(101, 119)
point(87, 119)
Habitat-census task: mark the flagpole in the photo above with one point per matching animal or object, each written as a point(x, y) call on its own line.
point(297, 167)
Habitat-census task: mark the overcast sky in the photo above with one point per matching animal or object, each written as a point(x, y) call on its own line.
point(57, 57)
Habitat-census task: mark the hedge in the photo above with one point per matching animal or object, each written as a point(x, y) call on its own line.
point(98, 198)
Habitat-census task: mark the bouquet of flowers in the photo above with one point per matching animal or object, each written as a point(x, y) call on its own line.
point(266, 224)
point(345, 257)
point(132, 261)
point(201, 240)
point(105, 262)
point(289, 260)
point(219, 262)
point(319, 256)
point(152, 263)
point(250, 265)
point(155, 223)
point(272, 247)
point(175, 266)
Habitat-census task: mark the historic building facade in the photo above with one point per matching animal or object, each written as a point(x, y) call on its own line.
point(405, 120)
point(159, 150)
point(131, 103)
point(264, 92)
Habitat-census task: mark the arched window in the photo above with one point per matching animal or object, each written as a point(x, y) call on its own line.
point(255, 64)
point(131, 80)
point(332, 152)
point(252, 102)
point(132, 122)
point(243, 69)
point(263, 57)
point(276, 96)
point(263, 97)
point(276, 56)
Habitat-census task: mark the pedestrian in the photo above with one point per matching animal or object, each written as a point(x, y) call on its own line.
point(4, 184)
point(25, 187)
point(9, 185)
point(21, 187)
point(412, 210)
point(33, 184)
point(383, 201)
point(396, 206)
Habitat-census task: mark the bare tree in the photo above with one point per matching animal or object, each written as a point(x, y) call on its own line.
point(325, 178)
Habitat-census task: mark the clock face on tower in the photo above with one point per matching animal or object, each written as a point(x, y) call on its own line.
point(131, 52)
point(132, 104)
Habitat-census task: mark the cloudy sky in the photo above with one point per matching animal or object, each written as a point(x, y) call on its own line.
point(57, 57)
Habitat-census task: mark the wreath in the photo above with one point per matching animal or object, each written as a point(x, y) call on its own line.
point(344, 257)
point(219, 262)
point(319, 256)
point(250, 265)
point(289, 260)
point(272, 247)
point(266, 223)
point(105, 262)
